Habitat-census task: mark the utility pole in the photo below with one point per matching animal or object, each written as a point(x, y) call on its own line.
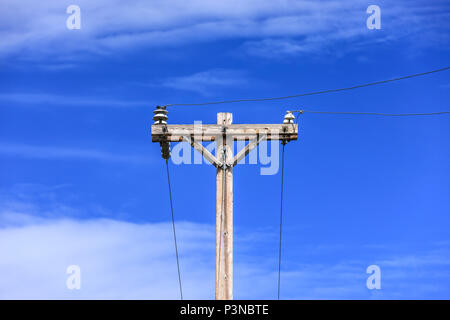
point(224, 133)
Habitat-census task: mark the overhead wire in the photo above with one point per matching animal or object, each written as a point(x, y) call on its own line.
point(372, 113)
point(281, 220)
point(311, 93)
point(174, 230)
point(282, 167)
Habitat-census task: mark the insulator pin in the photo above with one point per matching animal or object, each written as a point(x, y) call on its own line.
point(165, 150)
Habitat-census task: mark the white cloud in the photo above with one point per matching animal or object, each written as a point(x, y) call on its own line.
point(275, 48)
point(124, 260)
point(50, 152)
point(207, 82)
point(118, 259)
point(74, 101)
point(37, 28)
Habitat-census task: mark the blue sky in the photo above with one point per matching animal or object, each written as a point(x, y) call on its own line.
point(82, 183)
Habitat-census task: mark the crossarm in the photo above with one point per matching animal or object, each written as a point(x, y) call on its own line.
point(211, 132)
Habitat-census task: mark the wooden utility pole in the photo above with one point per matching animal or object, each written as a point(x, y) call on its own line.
point(224, 133)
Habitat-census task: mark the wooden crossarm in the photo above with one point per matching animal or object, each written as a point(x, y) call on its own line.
point(210, 132)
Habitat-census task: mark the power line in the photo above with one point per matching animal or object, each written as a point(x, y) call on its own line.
point(374, 113)
point(281, 220)
point(174, 231)
point(310, 93)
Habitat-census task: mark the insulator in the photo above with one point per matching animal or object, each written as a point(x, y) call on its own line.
point(165, 150)
point(160, 116)
point(289, 117)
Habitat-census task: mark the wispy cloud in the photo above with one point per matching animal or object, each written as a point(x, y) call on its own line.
point(276, 48)
point(61, 100)
point(33, 29)
point(124, 260)
point(207, 82)
point(118, 260)
point(64, 153)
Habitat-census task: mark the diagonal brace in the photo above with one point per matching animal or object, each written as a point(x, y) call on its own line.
point(246, 150)
point(203, 151)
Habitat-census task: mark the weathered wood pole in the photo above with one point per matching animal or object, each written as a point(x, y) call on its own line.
point(224, 213)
